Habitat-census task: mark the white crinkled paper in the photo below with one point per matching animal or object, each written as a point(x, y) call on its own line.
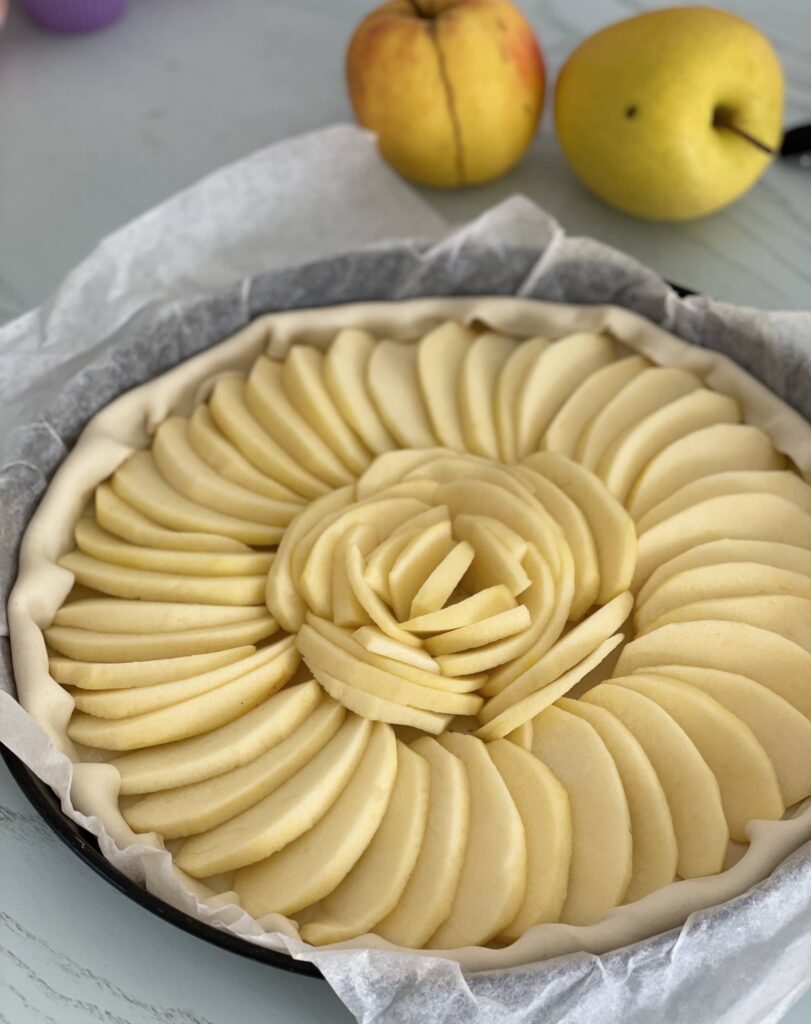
point(132, 310)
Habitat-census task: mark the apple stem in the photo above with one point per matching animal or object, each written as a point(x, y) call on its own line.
point(722, 120)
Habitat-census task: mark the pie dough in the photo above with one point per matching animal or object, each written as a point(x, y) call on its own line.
point(348, 537)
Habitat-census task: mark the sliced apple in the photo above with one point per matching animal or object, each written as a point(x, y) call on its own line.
point(126, 522)
point(522, 736)
point(746, 777)
point(200, 806)
point(121, 581)
point(418, 559)
point(600, 867)
point(730, 517)
point(369, 599)
point(124, 674)
point(232, 416)
point(313, 865)
point(303, 378)
point(380, 561)
point(692, 792)
point(508, 387)
point(731, 646)
point(217, 451)
point(710, 452)
point(625, 459)
point(611, 526)
point(647, 392)
point(586, 401)
point(427, 898)
point(493, 880)
point(138, 482)
point(530, 707)
point(345, 366)
point(378, 709)
point(373, 640)
point(182, 468)
point(465, 612)
point(87, 645)
point(116, 615)
point(136, 700)
point(782, 731)
point(551, 379)
point(477, 390)
point(393, 382)
point(477, 634)
point(391, 467)
point(440, 358)
point(217, 753)
point(346, 608)
point(286, 813)
point(494, 562)
point(440, 584)
point(373, 887)
point(655, 852)
point(543, 806)
point(536, 673)
point(190, 717)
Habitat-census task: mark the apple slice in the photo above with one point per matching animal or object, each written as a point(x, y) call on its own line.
point(477, 390)
point(380, 561)
point(530, 707)
point(781, 730)
point(372, 639)
point(230, 412)
point(713, 451)
point(551, 379)
point(106, 547)
point(136, 700)
point(372, 888)
point(731, 646)
point(374, 607)
point(281, 591)
point(493, 879)
point(121, 581)
point(625, 459)
point(190, 717)
point(692, 792)
point(729, 579)
point(600, 868)
point(440, 358)
point(323, 656)
point(610, 525)
point(302, 375)
point(227, 460)
point(138, 482)
point(746, 777)
point(508, 387)
point(730, 517)
point(182, 468)
point(378, 709)
point(393, 383)
point(126, 522)
point(87, 645)
point(655, 852)
point(286, 813)
point(392, 467)
point(313, 865)
point(418, 559)
point(586, 401)
point(788, 616)
point(125, 674)
point(427, 898)
point(116, 615)
point(648, 391)
point(522, 736)
point(345, 366)
point(346, 609)
point(493, 562)
point(543, 806)
point(200, 806)
point(478, 634)
point(465, 612)
point(578, 536)
point(536, 673)
point(440, 584)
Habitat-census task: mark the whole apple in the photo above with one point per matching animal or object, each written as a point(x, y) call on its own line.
point(452, 88)
point(671, 114)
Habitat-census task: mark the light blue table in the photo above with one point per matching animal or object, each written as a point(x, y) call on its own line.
point(93, 130)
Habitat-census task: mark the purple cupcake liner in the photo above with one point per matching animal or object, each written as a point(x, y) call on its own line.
point(75, 15)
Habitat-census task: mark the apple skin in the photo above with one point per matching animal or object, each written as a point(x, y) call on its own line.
point(452, 88)
point(637, 105)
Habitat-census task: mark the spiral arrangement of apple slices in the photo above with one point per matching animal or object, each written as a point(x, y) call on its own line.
point(452, 534)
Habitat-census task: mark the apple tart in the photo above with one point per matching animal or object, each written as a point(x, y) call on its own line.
point(444, 639)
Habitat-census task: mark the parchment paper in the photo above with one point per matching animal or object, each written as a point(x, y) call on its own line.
point(758, 944)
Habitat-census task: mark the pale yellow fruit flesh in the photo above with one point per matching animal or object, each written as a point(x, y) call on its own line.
point(117, 615)
point(379, 709)
point(392, 380)
point(439, 585)
point(344, 369)
point(477, 387)
point(125, 674)
point(508, 386)
point(440, 356)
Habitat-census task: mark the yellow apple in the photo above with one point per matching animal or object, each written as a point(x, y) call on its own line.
point(671, 114)
point(452, 88)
